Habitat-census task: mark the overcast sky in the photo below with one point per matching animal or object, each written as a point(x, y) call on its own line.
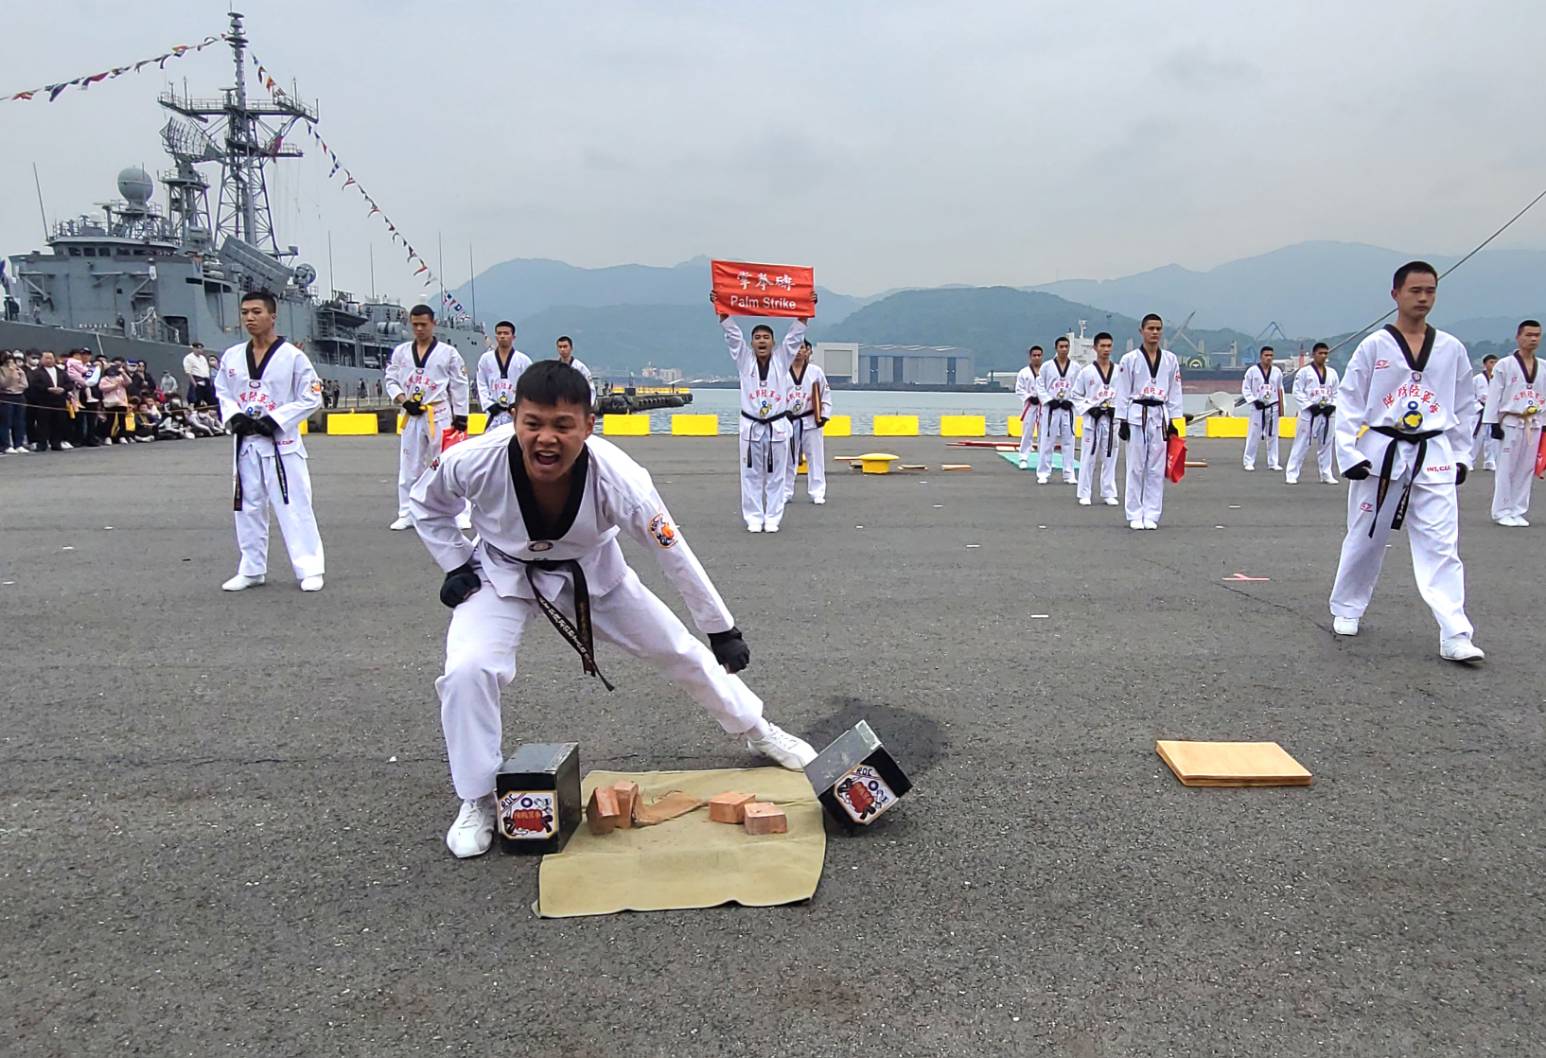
point(886, 143)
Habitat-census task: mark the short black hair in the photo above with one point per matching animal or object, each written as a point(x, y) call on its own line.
point(1410, 268)
point(1151, 316)
point(1035, 349)
point(763, 327)
point(198, 345)
point(505, 323)
point(1489, 358)
point(1319, 346)
point(1267, 349)
point(1526, 323)
point(1104, 334)
point(1061, 341)
point(551, 382)
point(806, 344)
point(421, 310)
point(564, 338)
point(263, 296)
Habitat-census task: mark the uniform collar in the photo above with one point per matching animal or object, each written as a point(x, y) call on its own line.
point(1419, 362)
point(537, 527)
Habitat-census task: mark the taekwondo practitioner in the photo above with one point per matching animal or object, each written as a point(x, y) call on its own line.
point(1055, 386)
point(565, 347)
point(810, 406)
point(1028, 389)
point(1410, 385)
point(1514, 403)
point(549, 501)
point(498, 370)
point(1263, 387)
point(266, 389)
point(1484, 447)
point(1095, 395)
point(1148, 398)
point(1315, 391)
point(428, 380)
point(765, 429)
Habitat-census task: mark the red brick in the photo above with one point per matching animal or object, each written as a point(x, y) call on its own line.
point(601, 814)
point(765, 818)
point(730, 806)
point(627, 800)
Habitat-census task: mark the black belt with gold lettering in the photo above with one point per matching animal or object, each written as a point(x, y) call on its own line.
point(1420, 439)
point(576, 633)
point(768, 422)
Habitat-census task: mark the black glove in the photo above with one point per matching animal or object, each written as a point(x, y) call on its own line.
point(730, 650)
point(1497, 431)
point(1171, 431)
point(459, 422)
point(1357, 473)
point(1260, 405)
point(460, 585)
point(241, 424)
point(268, 426)
point(1459, 473)
point(413, 407)
point(1125, 431)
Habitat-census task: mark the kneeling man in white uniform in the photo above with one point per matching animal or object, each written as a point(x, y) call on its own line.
point(548, 502)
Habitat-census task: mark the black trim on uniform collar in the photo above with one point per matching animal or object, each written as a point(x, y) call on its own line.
point(1105, 379)
point(413, 351)
point(800, 381)
point(1266, 376)
point(1320, 373)
point(537, 527)
point(1063, 371)
point(1529, 375)
point(255, 369)
point(763, 366)
point(1154, 367)
point(1420, 362)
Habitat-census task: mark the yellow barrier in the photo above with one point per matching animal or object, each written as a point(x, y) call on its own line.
point(840, 426)
point(1228, 428)
point(351, 424)
point(963, 426)
point(895, 426)
point(1014, 426)
point(625, 426)
point(695, 425)
point(305, 426)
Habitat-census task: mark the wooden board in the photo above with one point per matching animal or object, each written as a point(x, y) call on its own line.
point(1231, 763)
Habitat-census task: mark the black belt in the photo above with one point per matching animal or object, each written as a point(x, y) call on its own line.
point(279, 472)
point(1325, 411)
point(1268, 420)
point(1147, 402)
point(768, 422)
point(1480, 414)
point(1420, 439)
point(1063, 405)
point(577, 632)
point(1096, 415)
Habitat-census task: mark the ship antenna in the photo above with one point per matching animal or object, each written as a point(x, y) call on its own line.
point(42, 214)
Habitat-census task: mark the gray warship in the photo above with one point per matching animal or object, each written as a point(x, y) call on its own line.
point(144, 281)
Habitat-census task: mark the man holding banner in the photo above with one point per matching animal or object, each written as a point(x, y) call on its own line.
point(810, 406)
point(763, 290)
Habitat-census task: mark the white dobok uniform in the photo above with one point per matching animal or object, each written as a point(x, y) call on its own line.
point(271, 472)
point(570, 571)
point(579, 365)
point(1095, 399)
point(1263, 422)
point(1515, 400)
point(1419, 410)
point(496, 384)
point(1029, 392)
point(438, 380)
point(1055, 385)
point(1316, 394)
point(1484, 446)
point(765, 428)
point(807, 438)
point(1148, 398)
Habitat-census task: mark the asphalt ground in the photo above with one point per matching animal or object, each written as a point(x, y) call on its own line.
point(206, 846)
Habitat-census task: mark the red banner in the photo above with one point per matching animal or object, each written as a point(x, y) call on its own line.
point(744, 289)
point(1175, 459)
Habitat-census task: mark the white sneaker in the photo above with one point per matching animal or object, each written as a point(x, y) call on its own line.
point(1111, 501)
point(779, 746)
point(819, 501)
point(1151, 525)
point(473, 831)
point(66, 445)
point(1290, 481)
point(22, 451)
point(1248, 470)
point(1024, 464)
point(752, 527)
point(1460, 648)
point(1084, 501)
point(311, 583)
point(1273, 466)
point(241, 582)
point(1135, 525)
point(1345, 626)
point(1520, 522)
point(770, 527)
point(1329, 480)
point(1490, 466)
point(403, 522)
point(1040, 480)
point(464, 520)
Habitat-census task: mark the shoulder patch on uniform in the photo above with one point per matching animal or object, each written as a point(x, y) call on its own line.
point(662, 530)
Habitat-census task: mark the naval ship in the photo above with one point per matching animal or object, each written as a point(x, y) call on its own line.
point(144, 280)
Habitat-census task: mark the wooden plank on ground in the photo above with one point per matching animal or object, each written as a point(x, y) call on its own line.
point(1232, 763)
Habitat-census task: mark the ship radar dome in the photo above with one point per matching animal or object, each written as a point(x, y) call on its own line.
point(135, 185)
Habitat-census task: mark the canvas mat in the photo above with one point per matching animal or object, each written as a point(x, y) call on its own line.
point(689, 862)
point(1034, 460)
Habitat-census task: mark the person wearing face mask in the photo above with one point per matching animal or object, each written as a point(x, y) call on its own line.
point(549, 500)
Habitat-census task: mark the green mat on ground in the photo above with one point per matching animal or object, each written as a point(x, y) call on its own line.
point(1035, 458)
point(689, 862)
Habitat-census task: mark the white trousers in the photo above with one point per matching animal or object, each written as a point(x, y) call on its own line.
point(480, 661)
point(1092, 453)
point(1433, 533)
point(1516, 468)
point(1029, 430)
point(260, 493)
point(763, 491)
point(1484, 447)
point(1255, 435)
point(416, 449)
point(1145, 495)
point(1057, 428)
point(813, 446)
point(1302, 430)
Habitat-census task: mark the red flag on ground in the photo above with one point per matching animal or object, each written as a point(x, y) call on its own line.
point(452, 437)
point(1540, 456)
point(745, 289)
point(1175, 458)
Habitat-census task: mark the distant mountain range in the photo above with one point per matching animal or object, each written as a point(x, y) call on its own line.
point(626, 316)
